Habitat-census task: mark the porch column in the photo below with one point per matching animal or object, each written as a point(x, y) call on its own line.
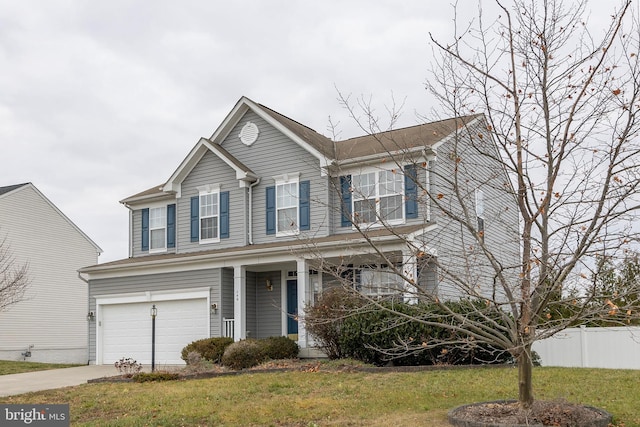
point(239, 302)
point(410, 271)
point(303, 286)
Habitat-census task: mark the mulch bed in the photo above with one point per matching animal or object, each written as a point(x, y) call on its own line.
point(292, 365)
point(542, 413)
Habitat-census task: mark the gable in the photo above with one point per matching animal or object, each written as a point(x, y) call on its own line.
point(28, 199)
point(272, 153)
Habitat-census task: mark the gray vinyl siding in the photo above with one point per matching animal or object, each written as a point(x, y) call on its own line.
point(268, 305)
point(274, 154)
point(477, 169)
point(212, 170)
point(136, 229)
point(263, 306)
point(153, 282)
point(252, 309)
point(227, 308)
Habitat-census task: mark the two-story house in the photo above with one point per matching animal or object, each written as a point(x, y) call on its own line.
point(49, 322)
point(237, 241)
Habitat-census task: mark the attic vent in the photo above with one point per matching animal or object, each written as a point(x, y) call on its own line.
point(249, 133)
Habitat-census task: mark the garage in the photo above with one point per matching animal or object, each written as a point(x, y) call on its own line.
point(125, 329)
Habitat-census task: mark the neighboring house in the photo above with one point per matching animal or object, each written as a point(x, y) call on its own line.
point(230, 244)
point(50, 323)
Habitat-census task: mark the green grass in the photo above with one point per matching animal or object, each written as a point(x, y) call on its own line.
point(334, 398)
point(10, 367)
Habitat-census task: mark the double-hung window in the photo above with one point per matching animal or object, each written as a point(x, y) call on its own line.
point(288, 208)
point(210, 215)
point(379, 280)
point(378, 196)
point(287, 212)
point(157, 229)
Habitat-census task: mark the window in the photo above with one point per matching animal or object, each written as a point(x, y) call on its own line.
point(287, 208)
point(157, 229)
point(378, 196)
point(209, 215)
point(379, 280)
point(158, 225)
point(480, 213)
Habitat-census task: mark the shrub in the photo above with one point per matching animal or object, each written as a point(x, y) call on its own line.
point(243, 354)
point(325, 319)
point(279, 348)
point(210, 349)
point(144, 377)
point(128, 367)
point(381, 337)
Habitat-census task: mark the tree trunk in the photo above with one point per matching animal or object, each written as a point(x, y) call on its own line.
point(525, 378)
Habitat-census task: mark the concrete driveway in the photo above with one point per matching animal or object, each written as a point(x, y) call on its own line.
point(54, 378)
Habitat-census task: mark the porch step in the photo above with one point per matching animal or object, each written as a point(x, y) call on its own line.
point(311, 353)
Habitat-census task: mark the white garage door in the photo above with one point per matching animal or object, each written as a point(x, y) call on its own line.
point(126, 330)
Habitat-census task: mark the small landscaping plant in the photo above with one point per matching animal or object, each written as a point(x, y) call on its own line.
point(244, 354)
point(280, 348)
point(128, 367)
point(210, 349)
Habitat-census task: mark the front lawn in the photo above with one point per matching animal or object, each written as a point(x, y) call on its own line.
point(334, 398)
point(12, 367)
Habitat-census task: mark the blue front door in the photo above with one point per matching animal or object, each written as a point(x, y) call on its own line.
point(292, 306)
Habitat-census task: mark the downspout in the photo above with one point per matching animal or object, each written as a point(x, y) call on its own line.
point(88, 321)
point(130, 230)
point(250, 226)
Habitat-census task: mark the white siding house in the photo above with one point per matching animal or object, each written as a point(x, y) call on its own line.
point(50, 323)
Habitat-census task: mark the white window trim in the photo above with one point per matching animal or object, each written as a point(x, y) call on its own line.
point(378, 270)
point(479, 208)
point(206, 190)
point(479, 204)
point(164, 247)
point(289, 178)
point(377, 223)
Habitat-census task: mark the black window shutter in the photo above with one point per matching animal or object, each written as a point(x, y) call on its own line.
point(171, 225)
point(345, 189)
point(195, 219)
point(305, 205)
point(271, 210)
point(410, 191)
point(145, 229)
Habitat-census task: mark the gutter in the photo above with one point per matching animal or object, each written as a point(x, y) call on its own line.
point(130, 229)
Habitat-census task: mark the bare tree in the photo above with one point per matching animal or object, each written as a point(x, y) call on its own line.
point(553, 107)
point(14, 279)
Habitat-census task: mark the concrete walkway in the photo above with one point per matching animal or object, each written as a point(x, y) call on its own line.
point(54, 378)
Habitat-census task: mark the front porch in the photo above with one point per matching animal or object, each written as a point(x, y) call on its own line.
point(259, 301)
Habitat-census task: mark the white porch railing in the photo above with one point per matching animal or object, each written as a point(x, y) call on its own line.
point(228, 326)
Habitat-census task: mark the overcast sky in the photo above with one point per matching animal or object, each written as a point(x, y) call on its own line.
point(101, 100)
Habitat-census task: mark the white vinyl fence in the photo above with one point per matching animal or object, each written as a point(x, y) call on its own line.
point(615, 348)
